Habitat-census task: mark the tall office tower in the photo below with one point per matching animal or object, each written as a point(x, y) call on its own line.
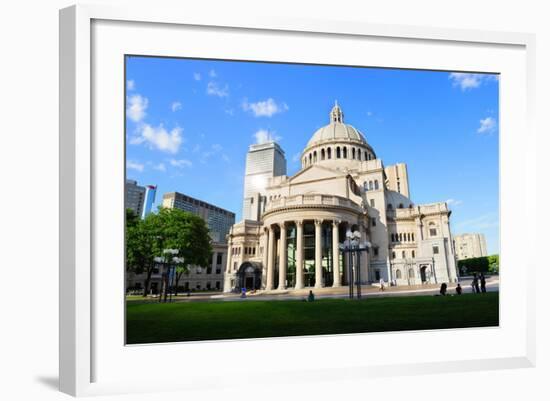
point(263, 161)
point(135, 197)
point(398, 179)
point(218, 220)
point(151, 191)
point(470, 246)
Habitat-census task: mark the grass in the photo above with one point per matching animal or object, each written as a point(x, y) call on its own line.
point(212, 320)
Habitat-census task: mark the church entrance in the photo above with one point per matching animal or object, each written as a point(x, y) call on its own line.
point(423, 274)
point(249, 276)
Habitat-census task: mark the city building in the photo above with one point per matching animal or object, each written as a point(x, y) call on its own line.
point(135, 197)
point(150, 192)
point(470, 246)
point(292, 240)
point(197, 279)
point(218, 220)
point(263, 162)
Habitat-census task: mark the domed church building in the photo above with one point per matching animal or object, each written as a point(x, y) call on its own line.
point(292, 226)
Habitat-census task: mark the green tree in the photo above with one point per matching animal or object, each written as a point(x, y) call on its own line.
point(188, 234)
point(143, 243)
point(167, 229)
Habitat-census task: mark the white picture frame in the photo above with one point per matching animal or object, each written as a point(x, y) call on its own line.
point(89, 359)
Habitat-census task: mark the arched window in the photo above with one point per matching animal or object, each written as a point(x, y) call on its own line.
point(393, 255)
point(400, 206)
point(322, 154)
point(413, 254)
point(338, 152)
point(328, 153)
point(366, 156)
point(370, 186)
point(400, 237)
point(398, 273)
point(390, 206)
point(315, 157)
point(365, 186)
point(375, 184)
point(411, 273)
point(353, 153)
point(392, 237)
point(412, 236)
point(310, 156)
point(403, 254)
point(345, 152)
point(409, 237)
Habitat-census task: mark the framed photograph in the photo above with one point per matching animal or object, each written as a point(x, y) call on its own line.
point(268, 191)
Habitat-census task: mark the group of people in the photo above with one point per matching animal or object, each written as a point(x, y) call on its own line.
point(478, 285)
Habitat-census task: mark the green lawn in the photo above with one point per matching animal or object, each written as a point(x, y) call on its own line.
point(212, 320)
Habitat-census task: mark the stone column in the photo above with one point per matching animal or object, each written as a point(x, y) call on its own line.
point(270, 251)
point(318, 255)
point(265, 245)
point(282, 258)
point(227, 275)
point(299, 254)
point(345, 259)
point(213, 263)
point(335, 254)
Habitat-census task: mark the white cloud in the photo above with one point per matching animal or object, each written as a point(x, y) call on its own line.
point(181, 163)
point(159, 138)
point(369, 113)
point(159, 167)
point(264, 108)
point(470, 81)
point(130, 85)
point(131, 165)
point(214, 89)
point(487, 125)
point(454, 202)
point(264, 136)
point(212, 74)
point(225, 158)
point(197, 76)
point(217, 147)
point(175, 106)
point(296, 157)
point(136, 107)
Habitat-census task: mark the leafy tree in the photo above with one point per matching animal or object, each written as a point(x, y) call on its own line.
point(188, 234)
point(484, 264)
point(167, 229)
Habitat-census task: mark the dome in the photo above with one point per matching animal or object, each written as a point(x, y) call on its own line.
point(336, 130)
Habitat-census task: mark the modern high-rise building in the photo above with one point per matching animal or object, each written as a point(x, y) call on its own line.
point(150, 192)
point(470, 246)
point(218, 220)
point(135, 197)
point(263, 162)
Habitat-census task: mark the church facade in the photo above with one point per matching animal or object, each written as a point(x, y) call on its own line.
point(293, 227)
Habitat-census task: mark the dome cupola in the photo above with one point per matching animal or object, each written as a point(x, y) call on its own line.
point(337, 140)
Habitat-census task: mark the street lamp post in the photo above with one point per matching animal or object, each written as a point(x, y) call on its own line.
point(169, 260)
point(352, 247)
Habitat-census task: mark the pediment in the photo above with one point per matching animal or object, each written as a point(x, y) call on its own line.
point(314, 173)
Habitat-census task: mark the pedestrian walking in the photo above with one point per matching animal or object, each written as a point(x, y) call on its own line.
point(310, 297)
point(475, 284)
point(482, 281)
point(382, 284)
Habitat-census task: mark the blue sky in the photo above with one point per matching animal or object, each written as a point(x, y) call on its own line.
point(189, 124)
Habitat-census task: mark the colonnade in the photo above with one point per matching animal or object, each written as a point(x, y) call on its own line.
point(271, 254)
